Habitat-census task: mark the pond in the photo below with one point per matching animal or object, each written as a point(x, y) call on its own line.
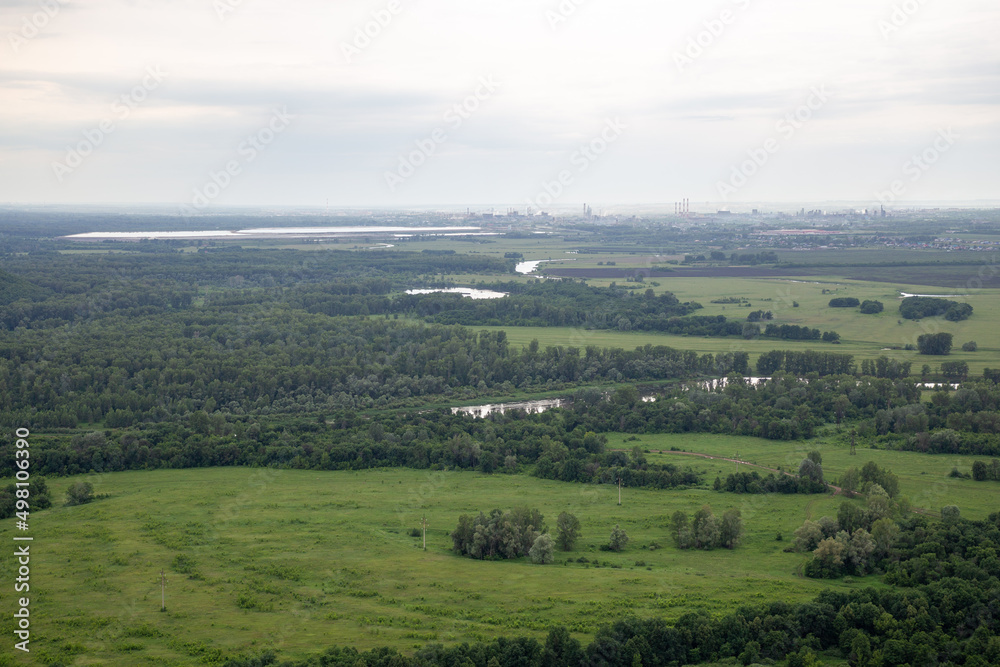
point(529, 267)
point(277, 232)
point(531, 407)
point(464, 291)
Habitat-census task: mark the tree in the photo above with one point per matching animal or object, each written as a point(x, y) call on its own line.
point(850, 481)
point(618, 539)
point(808, 536)
point(79, 493)
point(934, 344)
point(955, 370)
point(860, 550)
point(869, 307)
point(980, 471)
point(850, 516)
point(950, 514)
point(829, 554)
point(884, 532)
point(680, 530)
point(541, 551)
point(971, 346)
point(731, 529)
point(877, 506)
point(709, 533)
point(567, 531)
point(561, 649)
point(810, 469)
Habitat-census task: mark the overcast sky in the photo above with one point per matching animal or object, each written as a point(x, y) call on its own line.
point(154, 100)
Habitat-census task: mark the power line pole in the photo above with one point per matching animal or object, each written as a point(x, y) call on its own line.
point(163, 591)
point(737, 463)
point(619, 488)
point(423, 524)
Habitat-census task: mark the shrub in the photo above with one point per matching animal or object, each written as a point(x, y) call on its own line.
point(619, 538)
point(971, 346)
point(541, 551)
point(79, 493)
point(872, 307)
point(844, 302)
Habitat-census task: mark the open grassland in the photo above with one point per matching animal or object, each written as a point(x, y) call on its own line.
point(298, 560)
point(923, 478)
point(865, 336)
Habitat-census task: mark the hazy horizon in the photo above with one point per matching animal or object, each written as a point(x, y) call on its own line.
point(204, 106)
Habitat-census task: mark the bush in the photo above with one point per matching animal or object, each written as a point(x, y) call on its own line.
point(619, 538)
point(79, 493)
point(971, 346)
point(844, 302)
point(872, 307)
point(541, 551)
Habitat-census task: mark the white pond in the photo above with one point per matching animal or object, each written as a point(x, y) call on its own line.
point(464, 291)
point(277, 232)
point(531, 407)
point(529, 267)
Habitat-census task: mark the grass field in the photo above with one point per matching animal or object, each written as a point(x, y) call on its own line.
point(298, 560)
point(923, 478)
point(865, 336)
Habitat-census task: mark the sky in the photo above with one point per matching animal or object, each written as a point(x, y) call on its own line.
point(206, 104)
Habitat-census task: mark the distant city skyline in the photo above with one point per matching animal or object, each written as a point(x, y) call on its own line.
point(387, 104)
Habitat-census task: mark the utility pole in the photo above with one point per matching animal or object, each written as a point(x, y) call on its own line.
point(423, 524)
point(163, 591)
point(619, 488)
point(737, 463)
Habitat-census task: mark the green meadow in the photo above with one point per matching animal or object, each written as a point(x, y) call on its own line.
point(923, 478)
point(299, 560)
point(864, 336)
